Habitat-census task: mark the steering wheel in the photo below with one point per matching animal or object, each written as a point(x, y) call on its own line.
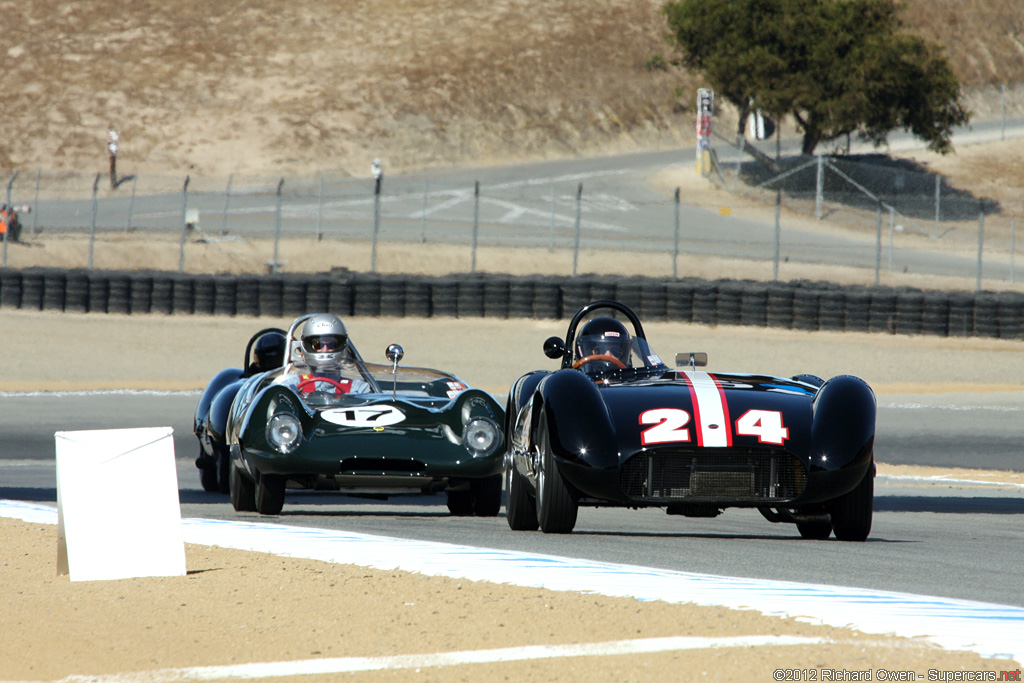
point(333, 382)
point(607, 357)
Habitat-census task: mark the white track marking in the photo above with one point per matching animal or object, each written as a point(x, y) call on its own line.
point(991, 630)
point(309, 667)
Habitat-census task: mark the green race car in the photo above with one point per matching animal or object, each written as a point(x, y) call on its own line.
point(370, 430)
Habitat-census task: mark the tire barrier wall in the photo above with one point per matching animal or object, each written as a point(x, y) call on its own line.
point(800, 304)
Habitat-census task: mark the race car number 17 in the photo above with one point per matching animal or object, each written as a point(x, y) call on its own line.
point(364, 416)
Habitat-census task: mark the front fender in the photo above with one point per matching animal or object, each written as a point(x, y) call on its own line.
point(843, 428)
point(579, 424)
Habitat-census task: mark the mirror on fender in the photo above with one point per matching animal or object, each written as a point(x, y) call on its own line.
point(554, 347)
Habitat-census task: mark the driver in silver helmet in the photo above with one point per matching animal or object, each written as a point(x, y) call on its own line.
point(324, 349)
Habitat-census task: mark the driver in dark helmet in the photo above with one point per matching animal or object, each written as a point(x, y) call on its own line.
point(603, 345)
point(324, 348)
point(268, 353)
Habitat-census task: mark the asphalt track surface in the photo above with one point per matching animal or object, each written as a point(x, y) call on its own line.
point(951, 539)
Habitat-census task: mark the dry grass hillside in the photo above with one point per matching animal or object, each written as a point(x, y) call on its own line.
point(255, 86)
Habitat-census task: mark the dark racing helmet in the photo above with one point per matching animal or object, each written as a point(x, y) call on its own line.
point(324, 342)
point(603, 337)
point(269, 351)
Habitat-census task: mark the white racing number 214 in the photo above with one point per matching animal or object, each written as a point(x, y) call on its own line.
point(669, 425)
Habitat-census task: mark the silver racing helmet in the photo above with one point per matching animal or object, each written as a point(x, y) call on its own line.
point(324, 342)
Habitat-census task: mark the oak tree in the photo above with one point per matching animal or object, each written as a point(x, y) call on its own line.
point(838, 67)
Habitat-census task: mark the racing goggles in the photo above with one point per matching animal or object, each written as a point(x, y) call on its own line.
point(325, 343)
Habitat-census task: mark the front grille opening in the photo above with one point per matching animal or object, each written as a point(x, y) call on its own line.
point(736, 475)
point(363, 465)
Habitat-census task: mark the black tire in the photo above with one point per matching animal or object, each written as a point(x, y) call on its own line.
point(520, 506)
point(208, 476)
point(460, 503)
point(223, 469)
point(243, 491)
point(486, 496)
point(270, 494)
point(556, 506)
point(816, 530)
point(851, 513)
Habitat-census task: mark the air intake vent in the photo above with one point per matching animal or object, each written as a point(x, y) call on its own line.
point(381, 466)
point(734, 475)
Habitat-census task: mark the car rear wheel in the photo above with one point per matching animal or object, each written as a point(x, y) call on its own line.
point(243, 491)
point(486, 496)
point(520, 507)
point(851, 513)
point(460, 503)
point(270, 494)
point(208, 474)
point(815, 530)
point(223, 469)
point(556, 507)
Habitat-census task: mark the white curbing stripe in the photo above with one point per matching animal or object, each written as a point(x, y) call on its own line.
point(991, 630)
point(334, 665)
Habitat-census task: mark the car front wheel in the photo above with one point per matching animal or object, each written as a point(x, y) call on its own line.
point(243, 491)
point(520, 507)
point(556, 507)
point(852, 512)
point(270, 494)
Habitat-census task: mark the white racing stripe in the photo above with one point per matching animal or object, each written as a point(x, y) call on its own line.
point(990, 630)
point(711, 411)
point(309, 667)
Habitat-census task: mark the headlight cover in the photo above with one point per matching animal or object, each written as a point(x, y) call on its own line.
point(480, 436)
point(284, 432)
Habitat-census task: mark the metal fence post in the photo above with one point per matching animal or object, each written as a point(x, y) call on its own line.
point(1013, 249)
point(1002, 100)
point(981, 242)
point(551, 232)
point(878, 244)
point(227, 199)
point(476, 222)
point(184, 225)
point(35, 204)
point(276, 264)
point(892, 232)
point(131, 205)
point(938, 202)
point(92, 228)
point(9, 185)
point(576, 246)
point(376, 223)
point(320, 209)
point(423, 216)
point(819, 187)
point(778, 234)
point(675, 249)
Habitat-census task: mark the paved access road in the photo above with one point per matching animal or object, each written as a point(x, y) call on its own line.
point(535, 204)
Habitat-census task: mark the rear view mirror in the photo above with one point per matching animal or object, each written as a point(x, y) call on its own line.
point(693, 359)
point(554, 347)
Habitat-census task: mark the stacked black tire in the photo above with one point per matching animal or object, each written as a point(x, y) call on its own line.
point(799, 304)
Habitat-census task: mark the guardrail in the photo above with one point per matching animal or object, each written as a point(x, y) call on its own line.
point(799, 304)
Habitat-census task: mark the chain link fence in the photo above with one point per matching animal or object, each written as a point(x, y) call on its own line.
point(892, 204)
